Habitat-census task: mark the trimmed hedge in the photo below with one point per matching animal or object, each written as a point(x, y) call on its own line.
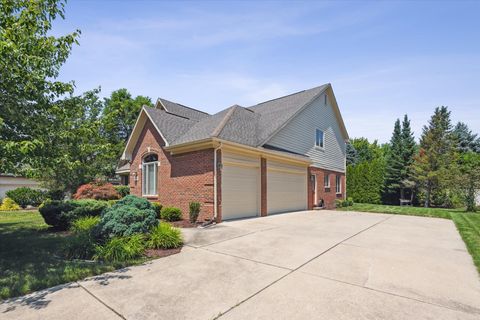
point(25, 196)
point(61, 214)
point(171, 214)
point(133, 201)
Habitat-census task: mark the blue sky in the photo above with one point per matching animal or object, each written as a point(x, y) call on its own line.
point(384, 59)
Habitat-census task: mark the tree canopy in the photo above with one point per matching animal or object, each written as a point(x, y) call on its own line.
point(30, 60)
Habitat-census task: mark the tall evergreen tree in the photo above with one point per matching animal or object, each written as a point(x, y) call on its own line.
point(393, 173)
point(466, 140)
point(408, 153)
point(352, 155)
point(435, 162)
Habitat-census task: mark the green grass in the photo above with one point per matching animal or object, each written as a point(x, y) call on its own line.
point(31, 259)
point(468, 224)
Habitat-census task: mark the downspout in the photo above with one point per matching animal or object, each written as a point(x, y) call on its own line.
point(215, 201)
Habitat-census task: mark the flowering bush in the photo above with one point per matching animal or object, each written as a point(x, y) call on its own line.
point(97, 190)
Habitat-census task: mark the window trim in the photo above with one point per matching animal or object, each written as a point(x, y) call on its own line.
point(338, 184)
point(326, 178)
point(145, 165)
point(322, 147)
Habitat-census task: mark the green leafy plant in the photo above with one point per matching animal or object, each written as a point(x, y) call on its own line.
point(194, 211)
point(165, 236)
point(338, 203)
point(121, 220)
point(157, 207)
point(123, 191)
point(61, 214)
point(120, 249)
point(171, 214)
point(350, 201)
point(82, 244)
point(9, 205)
point(27, 196)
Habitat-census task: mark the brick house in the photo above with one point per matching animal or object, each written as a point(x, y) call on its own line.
point(285, 154)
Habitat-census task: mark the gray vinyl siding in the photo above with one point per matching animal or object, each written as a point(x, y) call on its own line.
point(299, 136)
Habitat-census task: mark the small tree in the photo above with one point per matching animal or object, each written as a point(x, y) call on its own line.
point(469, 179)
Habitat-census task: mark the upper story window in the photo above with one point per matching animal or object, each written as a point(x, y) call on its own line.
point(149, 174)
point(338, 184)
point(325, 99)
point(319, 139)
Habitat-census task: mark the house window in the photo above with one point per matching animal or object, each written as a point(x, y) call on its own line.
point(325, 99)
point(149, 172)
point(319, 139)
point(326, 180)
point(338, 184)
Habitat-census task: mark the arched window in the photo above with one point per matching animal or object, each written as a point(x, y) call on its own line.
point(150, 174)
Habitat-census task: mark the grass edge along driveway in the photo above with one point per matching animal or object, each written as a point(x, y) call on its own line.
point(31, 256)
point(467, 223)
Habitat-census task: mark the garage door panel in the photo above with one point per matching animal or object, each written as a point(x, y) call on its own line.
point(286, 189)
point(240, 189)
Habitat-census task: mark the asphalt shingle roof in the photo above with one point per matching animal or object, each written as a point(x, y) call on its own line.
point(182, 110)
point(249, 126)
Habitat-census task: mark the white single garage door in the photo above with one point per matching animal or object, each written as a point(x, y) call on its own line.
point(240, 186)
point(286, 188)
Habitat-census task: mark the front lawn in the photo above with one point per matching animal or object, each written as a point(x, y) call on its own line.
point(468, 224)
point(31, 259)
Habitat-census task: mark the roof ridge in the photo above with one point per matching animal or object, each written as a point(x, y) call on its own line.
point(182, 105)
point(170, 113)
point(224, 121)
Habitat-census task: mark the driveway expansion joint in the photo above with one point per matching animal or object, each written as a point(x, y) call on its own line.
point(297, 268)
point(101, 301)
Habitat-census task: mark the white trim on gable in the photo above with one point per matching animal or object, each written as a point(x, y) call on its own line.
point(135, 134)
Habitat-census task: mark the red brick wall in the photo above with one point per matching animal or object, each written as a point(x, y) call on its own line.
point(181, 178)
point(327, 194)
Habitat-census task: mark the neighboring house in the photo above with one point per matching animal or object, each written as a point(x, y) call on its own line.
point(10, 182)
point(285, 154)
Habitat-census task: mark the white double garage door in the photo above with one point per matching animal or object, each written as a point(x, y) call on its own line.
point(241, 187)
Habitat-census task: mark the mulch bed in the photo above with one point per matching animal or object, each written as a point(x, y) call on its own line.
point(160, 253)
point(185, 224)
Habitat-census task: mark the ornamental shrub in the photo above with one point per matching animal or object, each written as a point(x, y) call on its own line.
point(82, 244)
point(123, 220)
point(338, 203)
point(194, 211)
point(27, 196)
point(123, 191)
point(97, 190)
point(120, 249)
point(133, 201)
point(171, 214)
point(9, 205)
point(157, 207)
point(61, 214)
point(165, 236)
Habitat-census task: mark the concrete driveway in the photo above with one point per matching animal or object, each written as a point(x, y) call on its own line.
point(305, 265)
